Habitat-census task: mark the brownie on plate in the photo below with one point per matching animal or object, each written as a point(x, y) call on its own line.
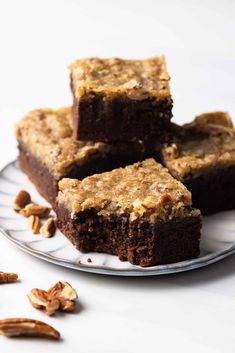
point(140, 213)
point(117, 99)
point(47, 151)
point(202, 156)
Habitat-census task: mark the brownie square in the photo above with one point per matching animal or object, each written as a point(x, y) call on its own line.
point(202, 156)
point(140, 213)
point(120, 100)
point(48, 152)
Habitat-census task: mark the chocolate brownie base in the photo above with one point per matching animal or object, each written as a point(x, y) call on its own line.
point(213, 191)
point(47, 184)
point(38, 174)
point(138, 242)
point(121, 119)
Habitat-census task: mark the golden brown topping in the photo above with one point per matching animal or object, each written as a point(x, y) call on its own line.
point(59, 297)
point(207, 142)
point(214, 118)
point(48, 135)
point(8, 277)
point(144, 189)
point(22, 199)
point(34, 224)
point(33, 209)
point(138, 79)
point(48, 229)
point(27, 327)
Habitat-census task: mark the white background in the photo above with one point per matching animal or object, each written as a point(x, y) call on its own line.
point(193, 311)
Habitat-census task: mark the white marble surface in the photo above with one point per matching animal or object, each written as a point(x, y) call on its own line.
point(192, 311)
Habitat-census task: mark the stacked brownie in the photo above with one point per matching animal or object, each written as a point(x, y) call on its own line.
point(201, 155)
point(120, 100)
point(140, 213)
point(93, 163)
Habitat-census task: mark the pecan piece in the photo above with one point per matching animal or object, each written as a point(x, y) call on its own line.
point(8, 277)
point(48, 228)
point(67, 305)
point(22, 199)
point(34, 224)
point(27, 327)
point(61, 296)
point(40, 300)
point(33, 209)
point(66, 294)
point(63, 289)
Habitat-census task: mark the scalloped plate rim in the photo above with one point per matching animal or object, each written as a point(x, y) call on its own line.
point(178, 267)
point(120, 272)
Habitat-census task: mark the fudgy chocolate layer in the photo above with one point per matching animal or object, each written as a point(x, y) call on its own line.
point(38, 173)
point(121, 119)
point(213, 191)
point(139, 242)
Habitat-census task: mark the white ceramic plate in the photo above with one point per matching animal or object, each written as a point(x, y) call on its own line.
point(218, 237)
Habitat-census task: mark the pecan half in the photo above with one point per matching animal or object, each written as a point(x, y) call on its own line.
point(33, 209)
point(27, 327)
point(34, 224)
point(66, 294)
point(40, 300)
point(8, 277)
point(59, 297)
point(48, 228)
point(22, 199)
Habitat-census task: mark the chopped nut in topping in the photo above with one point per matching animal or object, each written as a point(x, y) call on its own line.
point(34, 224)
point(140, 190)
point(48, 229)
point(8, 277)
point(33, 209)
point(22, 199)
point(27, 327)
point(40, 300)
point(59, 297)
